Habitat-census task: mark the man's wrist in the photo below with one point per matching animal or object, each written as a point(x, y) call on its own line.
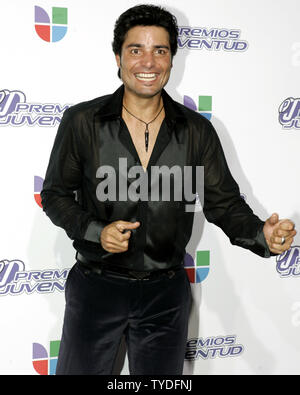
point(94, 230)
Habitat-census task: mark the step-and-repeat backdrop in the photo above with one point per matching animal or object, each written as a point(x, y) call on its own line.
point(238, 63)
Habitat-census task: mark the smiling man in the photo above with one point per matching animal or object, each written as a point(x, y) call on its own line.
point(145, 61)
point(129, 277)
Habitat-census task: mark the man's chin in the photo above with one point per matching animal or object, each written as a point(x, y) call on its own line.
point(145, 93)
point(149, 95)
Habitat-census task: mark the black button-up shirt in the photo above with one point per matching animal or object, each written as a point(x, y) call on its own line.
point(92, 135)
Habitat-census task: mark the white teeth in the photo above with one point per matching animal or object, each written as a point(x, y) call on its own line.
point(146, 77)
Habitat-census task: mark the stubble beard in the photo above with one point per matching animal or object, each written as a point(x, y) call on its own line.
point(141, 94)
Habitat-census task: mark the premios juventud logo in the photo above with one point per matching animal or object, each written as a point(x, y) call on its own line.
point(16, 280)
point(16, 110)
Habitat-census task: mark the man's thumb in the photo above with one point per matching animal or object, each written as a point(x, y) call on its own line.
point(132, 225)
point(273, 219)
point(127, 225)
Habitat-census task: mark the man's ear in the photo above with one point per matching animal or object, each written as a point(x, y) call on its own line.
point(118, 60)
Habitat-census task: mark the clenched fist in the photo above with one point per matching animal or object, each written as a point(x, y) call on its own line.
point(115, 236)
point(279, 234)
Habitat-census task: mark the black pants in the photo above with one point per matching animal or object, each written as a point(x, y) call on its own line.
point(153, 315)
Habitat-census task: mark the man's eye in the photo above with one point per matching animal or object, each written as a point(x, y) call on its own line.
point(161, 51)
point(135, 51)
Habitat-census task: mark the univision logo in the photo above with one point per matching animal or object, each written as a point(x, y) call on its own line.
point(43, 362)
point(38, 186)
point(54, 30)
point(204, 105)
point(197, 272)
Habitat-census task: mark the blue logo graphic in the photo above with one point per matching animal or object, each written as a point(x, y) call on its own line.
point(289, 113)
point(213, 347)
point(15, 280)
point(288, 263)
point(16, 111)
point(211, 39)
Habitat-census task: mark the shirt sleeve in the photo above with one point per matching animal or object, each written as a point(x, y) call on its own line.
point(223, 204)
point(63, 178)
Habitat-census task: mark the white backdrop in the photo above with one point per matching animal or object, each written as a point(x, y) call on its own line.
point(246, 311)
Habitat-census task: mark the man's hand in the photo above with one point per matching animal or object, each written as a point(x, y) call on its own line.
point(279, 234)
point(112, 237)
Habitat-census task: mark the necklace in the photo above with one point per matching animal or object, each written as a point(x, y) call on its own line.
point(146, 123)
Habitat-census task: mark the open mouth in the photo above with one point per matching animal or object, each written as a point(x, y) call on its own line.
point(146, 76)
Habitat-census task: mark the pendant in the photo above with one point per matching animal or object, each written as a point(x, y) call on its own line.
point(146, 139)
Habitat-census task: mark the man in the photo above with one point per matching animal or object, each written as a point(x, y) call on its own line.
point(129, 277)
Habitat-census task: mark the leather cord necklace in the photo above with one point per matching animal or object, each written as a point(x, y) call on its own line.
point(146, 123)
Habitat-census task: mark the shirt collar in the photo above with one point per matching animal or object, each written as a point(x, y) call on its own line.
point(113, 107)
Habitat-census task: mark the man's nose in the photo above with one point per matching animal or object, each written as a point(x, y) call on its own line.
point(148, 59)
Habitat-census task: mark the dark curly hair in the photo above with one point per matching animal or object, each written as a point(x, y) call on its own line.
point(145, 15)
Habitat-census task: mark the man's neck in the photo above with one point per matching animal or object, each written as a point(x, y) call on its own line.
point(142, 107)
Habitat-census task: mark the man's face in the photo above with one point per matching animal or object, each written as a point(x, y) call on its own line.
point(146, 60)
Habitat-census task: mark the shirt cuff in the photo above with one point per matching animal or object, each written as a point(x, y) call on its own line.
point(94, 230)
point(257, 243)
point(262, 243)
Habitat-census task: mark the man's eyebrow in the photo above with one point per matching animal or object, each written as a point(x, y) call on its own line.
point(133, 45)
point(162, 46)
point(136, 45)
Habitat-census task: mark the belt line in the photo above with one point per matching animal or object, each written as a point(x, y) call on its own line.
point(99, 267)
